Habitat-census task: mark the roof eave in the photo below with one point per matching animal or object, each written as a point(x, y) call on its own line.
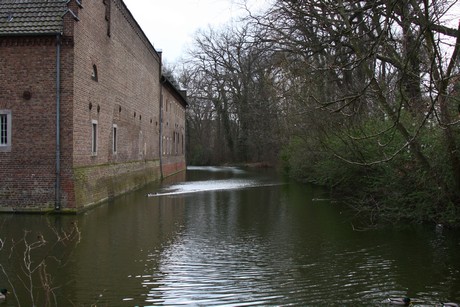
point(30, 34)
point(178, 93)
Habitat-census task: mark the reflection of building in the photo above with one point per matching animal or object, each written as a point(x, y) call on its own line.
point(80, 111)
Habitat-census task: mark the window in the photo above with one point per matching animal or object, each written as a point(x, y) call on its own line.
point(5, 130)
point(94, 73)
point(94, 138)
point(107, 4)
point(174, 143)
point(114, 136)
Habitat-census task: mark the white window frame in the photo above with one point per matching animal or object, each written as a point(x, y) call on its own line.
point(115, 138)
point(6, 146)
point(94, 137)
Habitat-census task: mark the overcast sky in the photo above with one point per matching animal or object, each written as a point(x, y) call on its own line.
point(170, 25)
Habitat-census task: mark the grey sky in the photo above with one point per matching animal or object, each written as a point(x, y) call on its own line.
point(170, 25)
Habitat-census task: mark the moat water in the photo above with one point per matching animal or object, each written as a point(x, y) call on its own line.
point(222, 236)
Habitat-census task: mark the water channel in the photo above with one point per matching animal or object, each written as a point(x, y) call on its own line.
point(226, 236)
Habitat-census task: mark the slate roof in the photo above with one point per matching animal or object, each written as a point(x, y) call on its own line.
point(31, 17)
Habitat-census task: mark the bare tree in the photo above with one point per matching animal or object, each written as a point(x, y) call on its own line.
point(374, 61)
point(236, 77)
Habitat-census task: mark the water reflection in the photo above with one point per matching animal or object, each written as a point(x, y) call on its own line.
point(238, 180)
point(277, 246)
point(254, 240)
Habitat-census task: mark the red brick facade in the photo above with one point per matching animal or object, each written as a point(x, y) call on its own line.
point(109, 85)
point(173, 128)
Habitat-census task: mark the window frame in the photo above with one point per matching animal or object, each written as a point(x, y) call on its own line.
point(115, 139)
point(6, 147)
point(94, 137)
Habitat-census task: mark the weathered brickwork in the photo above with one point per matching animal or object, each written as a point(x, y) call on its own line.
point(101, 182)
point(28, 89)
point(126, 92)
point(173, 136)
point(110, 84)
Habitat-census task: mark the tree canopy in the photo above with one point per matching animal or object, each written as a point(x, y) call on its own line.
point(358, 95)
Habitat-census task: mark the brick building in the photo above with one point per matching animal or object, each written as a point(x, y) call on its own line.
point(85, 113)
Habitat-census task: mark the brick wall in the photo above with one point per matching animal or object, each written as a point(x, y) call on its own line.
point(124, 93)
point(28, 67)
point(173, 131)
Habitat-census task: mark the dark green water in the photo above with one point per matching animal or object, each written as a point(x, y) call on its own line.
point(228, 237)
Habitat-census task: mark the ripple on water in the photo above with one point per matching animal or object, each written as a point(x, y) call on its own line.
point(253, 272)
point(196, 272)
point(247, 263)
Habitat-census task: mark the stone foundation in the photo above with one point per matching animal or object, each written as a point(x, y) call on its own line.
point(96, 184)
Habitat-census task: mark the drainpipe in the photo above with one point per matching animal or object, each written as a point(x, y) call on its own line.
point(161, 118)
point(57, 205)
